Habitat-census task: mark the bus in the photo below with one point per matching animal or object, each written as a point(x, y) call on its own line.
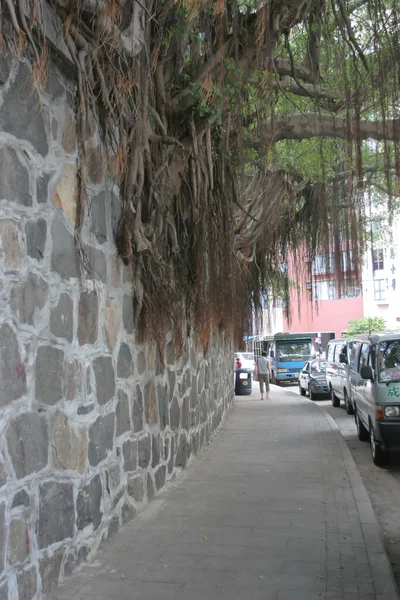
point(288, 353)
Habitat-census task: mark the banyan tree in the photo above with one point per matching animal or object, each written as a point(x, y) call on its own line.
point(239, 132)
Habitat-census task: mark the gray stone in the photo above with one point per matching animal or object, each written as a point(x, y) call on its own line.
point(101, 438)
point(95, 264)
point(36, 232)
point(150, 403)
point(12, 371)
point(136, 488)
point(125, 362)
point(105, 379)
point(21, 114)
point(141, 363)
point(10, 245)
point(28, 297)
point(18, 541)
point(28, 442)
point(128, 513)
point(49, 375)
point(172, 383)
point(88, 382)
point(88, 504)
point(56, 513)
point(150, 487)
point(50, 567)
point(98, 217)
point(160, 477)
point(96, 165)
point(68, 140)
point(69, 445)
point(69, 565)
point(4, 591)
point(115, 213)
point(185, 417)
point(14, 179)
point(3, 473)
point(130, 453)
point(63, 257)
point(21, 499)
point(137, 410)
point(175, 414)
point(3, 535)
point(85, 409)
point(200, 380)
point(159, 365)
point(122, 413)
point(113, 526)
point(171, 461)
point(42, 187)
point(6, 63)
point(195, 442)
point(54, 87)
point(61, 318)
point(182, 452)
point(27, 583)
point(155, 450)
point(163, 409)
point(113, 477)
point(144, 448)
point(83, 553)
point(88, 318)
point(127, 313)
point(193, 392)
point(73, 379)
point(170, 353)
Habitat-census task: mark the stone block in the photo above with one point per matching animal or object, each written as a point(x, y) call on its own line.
point(65, 192)
point(123, 422)
point(85, 409)
point(96, 165)
point(21, 114)
point(69, 445)
point(36, 233)
point(193, 392)
point(112, 322)
point(68, 140)
point(74, 379)
point(150, 404)
point(127, 313)
point(88, 504)
point(182, 452)
point(21, 498)
point(171, 461)
point(115, 213)
point(3, 473)
point(29, 297)
point(49, 375)
point(56, 513)
point(101, 438)
point(137, 409)
point(4, 591)
point(27, 583)
point(172, 383)
point(61, 318)
point(10, 245)
point(144, 449)
point(63, 257)
point(125, 362)
point(69, 565)
point(88, 317)
point(155, 450)
point(170, 353)
point(3, 535)
point(96, 264)
point(14, 178)
point(54, 87)
point(28, 442)
point(98, 217)
point(128, 512)
point(163, 409)
point(130, 453)
point(136, 488)
point(160, 477)
point(83, 553)
point(115, 271)
point(50, 567)
point(42, 187)
point(18, 541)
point(175, 414)
point(185, 416)
point(105, 379)
point(141, 363)
point(113, 526)
point(150, 487)
point(114, 477)
point(12, 371)
point(195, 442)
point(5, 68)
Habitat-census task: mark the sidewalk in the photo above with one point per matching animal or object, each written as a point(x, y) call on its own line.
point(274, 508)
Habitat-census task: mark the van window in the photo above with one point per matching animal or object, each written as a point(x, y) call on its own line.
point(354, 348)
point(364, 356)
point(331, 349)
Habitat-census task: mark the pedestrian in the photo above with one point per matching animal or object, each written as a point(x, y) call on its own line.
point(264, 373)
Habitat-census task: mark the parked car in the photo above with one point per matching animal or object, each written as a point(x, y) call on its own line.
point(246, 359)
point(312, 379)
point(338, 357)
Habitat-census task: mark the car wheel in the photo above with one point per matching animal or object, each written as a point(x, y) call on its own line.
point(347, 404)
point(311, 394)
point(379, 456)
point(334, 399)
point(362, 431)
point(302, 390)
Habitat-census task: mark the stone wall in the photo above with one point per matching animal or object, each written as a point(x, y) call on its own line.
point(92, 424)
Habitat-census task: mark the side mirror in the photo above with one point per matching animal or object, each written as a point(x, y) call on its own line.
point(343, 358)
point(366, 372)
point(272, 354)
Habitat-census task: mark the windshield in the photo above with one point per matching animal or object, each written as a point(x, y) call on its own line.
point(293, 351)
point(318, 367)
point(248, 356)
point(389, 361)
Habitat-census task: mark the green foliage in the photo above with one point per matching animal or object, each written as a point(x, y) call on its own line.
point(365, 325)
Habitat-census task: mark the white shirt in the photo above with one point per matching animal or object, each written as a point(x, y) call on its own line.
point(263, 365)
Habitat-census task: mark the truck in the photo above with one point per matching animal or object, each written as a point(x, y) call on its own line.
point(288, 353)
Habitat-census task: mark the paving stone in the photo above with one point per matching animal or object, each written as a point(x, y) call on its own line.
point(130, 453)
point(105, 379)
point(88, 504)
point(127, 313)
point(12, 371)
point(144, 448)
point(123, 422)
point(61, 318)
point(27, 583)
point(36, 233)
point(125, 362)
point(50, 567)
point(18, 541)
point(29, 297)
point(63, 257)
point(27, 443)
point(88, 318)
point(69, 445)
point(98, 217)
point(150, 404)
point(49, 375)
point(10, 245)
point(137, 409)
point(14, 178)
point(56, 513)
point(101, 438)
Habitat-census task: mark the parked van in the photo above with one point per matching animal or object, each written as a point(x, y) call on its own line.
point(338, 372)
point(374, 363)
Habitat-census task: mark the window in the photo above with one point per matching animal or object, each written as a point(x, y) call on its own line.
point(379, 289)
point(331, 349)
point(321, 265)
point(349, 289)
point(364, 356)
point(377, 259)
point(354, 348)
point(348, 261)
point(389, 361)
point(325, 290)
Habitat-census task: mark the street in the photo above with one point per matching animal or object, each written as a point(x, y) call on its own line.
point(382, 485)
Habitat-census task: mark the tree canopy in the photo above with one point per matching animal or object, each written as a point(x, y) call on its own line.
point(240, 132)
point(365, 325)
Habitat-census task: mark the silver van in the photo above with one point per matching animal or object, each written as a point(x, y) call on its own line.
point(338, 373)
point(375, 388)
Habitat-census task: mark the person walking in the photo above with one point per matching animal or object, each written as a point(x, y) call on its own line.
point(264, 373)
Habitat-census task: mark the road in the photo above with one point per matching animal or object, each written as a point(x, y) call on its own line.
point(382, 485)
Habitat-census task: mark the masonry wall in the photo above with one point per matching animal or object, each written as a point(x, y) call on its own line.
point(92, 425)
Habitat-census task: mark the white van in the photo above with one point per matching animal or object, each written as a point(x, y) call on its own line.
point(338, 372)
point(375, 389)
